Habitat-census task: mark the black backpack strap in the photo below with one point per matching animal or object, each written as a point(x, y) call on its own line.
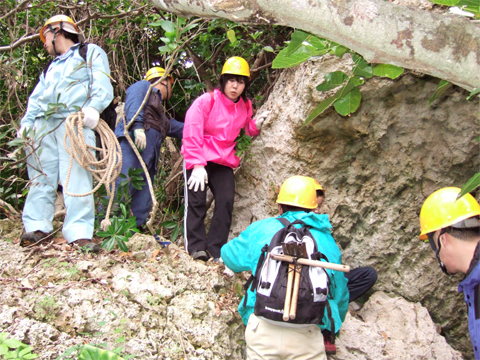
point(253, 279)
point(44, 71)
point(332, 323)
point(82, 50)
point(298, 221)
point(318, 256)
point(284, 221)
point(246, 287)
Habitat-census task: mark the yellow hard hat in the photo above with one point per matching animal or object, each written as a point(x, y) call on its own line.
point(156, 72)
point(298, 191)
point(65, 22)
point(236, 66)
point(442, 209)
point(317, 185)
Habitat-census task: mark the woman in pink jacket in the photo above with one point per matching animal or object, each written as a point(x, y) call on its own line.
point(212, 124)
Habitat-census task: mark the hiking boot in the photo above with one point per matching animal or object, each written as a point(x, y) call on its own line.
point(87, 245)
point(200, 255)
point(33, 237)
point(330, 347)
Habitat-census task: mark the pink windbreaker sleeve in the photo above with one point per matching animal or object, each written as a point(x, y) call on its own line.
point(192, 148)
point(250, 128)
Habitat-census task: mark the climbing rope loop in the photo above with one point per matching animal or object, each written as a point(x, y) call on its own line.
point(106, 169)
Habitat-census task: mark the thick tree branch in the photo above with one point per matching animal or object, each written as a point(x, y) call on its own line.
point(19, 42)
point(219, 50)
point(18, 8)
point(25, 39)
point(444, 46)
point(259, 61)
point(199, 65)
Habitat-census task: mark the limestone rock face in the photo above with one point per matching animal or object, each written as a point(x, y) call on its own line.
point(378, 166)
point(156, 308)
point(168, 306)
point(392, 328)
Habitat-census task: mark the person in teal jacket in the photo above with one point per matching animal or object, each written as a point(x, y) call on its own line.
point(297, 199)
point(77, 85)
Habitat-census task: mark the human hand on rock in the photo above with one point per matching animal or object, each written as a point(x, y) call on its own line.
point(260, 119)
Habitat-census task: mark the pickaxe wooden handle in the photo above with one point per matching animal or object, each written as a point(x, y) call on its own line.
point(296, 287)
point(323, 264)
point(288, 295)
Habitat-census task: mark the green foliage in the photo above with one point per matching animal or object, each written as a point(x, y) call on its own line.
point(243, 143)
point(133, 44)
point(154, 300)
point(119, 231)
point(441, 88)
point(473, 93)
point(122, 196)
point(14, 349)
point(349, 103)
point(302, 47)
point(332, 80)
point(71, 353)
point(445, 2)
point(176, 224)
point(471, 6)
point(387, 70)
point(361, 67)
point(46, 308)
point(13, 173)
point(346, 101)
point(231, 36)
point(93, 353)
point(471, 185)
point(239, 290)
point(173, 31)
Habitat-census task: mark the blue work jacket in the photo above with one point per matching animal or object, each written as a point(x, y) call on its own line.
point(134, 98)
point(72, 82)
point(471, 292)
point(243, 252)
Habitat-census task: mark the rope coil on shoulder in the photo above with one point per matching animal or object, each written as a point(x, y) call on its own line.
point(105, 170)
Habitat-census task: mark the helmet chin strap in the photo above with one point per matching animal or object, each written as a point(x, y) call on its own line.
point(437, 251)
point(55, 35)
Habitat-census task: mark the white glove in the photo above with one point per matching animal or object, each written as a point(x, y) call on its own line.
point(260, 119)
point(198, 177)
point(90, 117)
point(22, 129)
point(140, 139)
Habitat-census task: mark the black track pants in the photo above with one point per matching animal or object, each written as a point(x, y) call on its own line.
point(360, 280)
point(222, 183)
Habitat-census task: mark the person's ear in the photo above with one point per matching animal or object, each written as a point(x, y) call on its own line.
point(280, 209)
point(444, 239)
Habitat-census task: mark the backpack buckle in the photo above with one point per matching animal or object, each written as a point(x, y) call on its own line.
point(265, 285)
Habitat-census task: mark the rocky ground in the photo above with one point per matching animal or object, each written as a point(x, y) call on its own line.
point(150, 303)
point(157, 304)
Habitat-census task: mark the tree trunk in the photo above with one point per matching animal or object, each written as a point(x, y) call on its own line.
point(445, 46)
